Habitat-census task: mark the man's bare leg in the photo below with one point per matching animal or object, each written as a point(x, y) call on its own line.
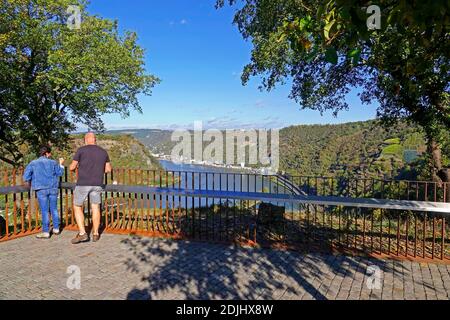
point(95, 218)
point(79, 217)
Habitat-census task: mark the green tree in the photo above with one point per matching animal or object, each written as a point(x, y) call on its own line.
point(55, 76)
point(326, 48)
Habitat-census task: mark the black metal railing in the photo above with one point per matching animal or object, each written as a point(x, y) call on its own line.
point(272, 211)
point(248, 182)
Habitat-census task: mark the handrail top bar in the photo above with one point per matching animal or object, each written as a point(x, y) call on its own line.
point(13, 189)
point(425, 206)
point(286, 175)
point(244, 173)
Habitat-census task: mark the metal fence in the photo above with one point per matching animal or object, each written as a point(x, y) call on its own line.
point(247, 182)
point(373, 188)
point(248, 209)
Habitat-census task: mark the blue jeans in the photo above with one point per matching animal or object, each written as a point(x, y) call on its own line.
point(48, 202)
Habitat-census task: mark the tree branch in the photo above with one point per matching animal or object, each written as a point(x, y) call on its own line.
point(11, 162)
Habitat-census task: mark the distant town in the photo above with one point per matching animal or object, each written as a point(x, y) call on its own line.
point(182, 160)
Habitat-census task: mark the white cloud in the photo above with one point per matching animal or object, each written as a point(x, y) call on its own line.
point(219, 123)
point(181, 22)
point(259, 103)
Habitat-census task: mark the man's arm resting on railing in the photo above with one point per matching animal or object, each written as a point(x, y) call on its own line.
point(73, 165)
point(108, 167)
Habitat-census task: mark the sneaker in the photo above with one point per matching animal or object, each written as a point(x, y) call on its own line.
point(95, 237)
point(56, 232)
point(43, 235)
point(80, 238)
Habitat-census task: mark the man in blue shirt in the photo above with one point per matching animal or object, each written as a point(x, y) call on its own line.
point(44, 175)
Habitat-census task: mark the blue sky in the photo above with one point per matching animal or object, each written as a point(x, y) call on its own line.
point(199, 55)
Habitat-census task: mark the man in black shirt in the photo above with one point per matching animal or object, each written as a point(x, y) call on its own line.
point(92, 163)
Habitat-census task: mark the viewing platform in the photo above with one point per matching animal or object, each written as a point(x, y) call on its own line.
point(187, 235)
point(131, 267)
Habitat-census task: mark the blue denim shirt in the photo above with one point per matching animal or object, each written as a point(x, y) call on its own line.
point(44, 173)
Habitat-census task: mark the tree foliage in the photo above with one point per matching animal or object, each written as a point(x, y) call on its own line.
point(356, 149)
point(54, 78)
point(326, 48)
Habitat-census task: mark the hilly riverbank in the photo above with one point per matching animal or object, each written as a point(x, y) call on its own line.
point(362, 148)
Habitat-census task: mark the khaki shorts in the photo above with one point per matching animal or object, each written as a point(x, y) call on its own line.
point(82, 192)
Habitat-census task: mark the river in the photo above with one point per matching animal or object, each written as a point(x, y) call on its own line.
point(193, 176)
point(216, 178)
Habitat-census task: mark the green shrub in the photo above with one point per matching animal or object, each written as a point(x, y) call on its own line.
point(393, 149)
point(392, 141)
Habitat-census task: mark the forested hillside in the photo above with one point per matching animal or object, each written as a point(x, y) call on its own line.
point(124, 150)
point(359, 148)
point(158, 141)
point(356, 149)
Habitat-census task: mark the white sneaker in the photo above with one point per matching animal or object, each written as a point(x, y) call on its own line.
point(56, 232)
point(43, 235)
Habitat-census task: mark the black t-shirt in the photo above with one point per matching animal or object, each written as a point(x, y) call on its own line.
point(91, 165)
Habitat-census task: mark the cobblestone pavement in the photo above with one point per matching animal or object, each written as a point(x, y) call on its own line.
point(130, 267)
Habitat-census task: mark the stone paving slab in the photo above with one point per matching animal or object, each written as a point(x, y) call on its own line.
point(130, 267)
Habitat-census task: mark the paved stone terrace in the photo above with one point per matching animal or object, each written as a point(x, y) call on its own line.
point(129, 267)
